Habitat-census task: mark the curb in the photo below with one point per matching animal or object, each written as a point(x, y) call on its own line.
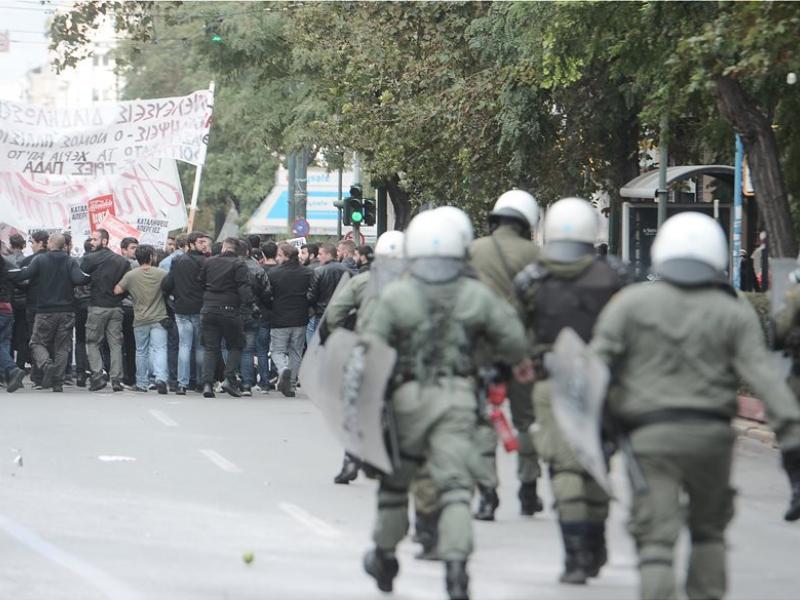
point(755, 431)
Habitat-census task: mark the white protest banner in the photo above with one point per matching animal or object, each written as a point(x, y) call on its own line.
point(79, 226)
point(151, 189)
point(297, 242)
point(102, 139)
point(153, 231)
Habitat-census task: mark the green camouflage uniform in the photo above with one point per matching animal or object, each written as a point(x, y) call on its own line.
point(433, 328)
point(676, 357)
point(496, 259)
point(787, 334)
point(350, 298)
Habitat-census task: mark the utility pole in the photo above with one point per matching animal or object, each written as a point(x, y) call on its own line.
point(301, 184)
point(291, 168)
point(737, 214)
point(663, 193)
point(339, 203)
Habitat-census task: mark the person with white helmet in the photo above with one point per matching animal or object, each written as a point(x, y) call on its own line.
point(349, 306)
point(677, 349)
point(496, 259)
point(567, 287)
point(433, 317)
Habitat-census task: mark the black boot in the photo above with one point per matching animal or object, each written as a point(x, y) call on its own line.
point(382, 567)
point(488, 504)
point(577, 560)
point(426, 533)
point(231, 387)
point(457, 579)
point(349, 470)
point(529, 500)
point(597, 547)
point(208, 391)
point(791, 464)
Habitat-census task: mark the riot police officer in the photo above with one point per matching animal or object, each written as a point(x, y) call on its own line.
point(496, 259)
point(568, 287)
point(432, 318)
point(677, 349)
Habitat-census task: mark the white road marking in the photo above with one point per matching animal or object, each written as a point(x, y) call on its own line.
point(106, 458)
point(162, 418)
point(219, 460)
point(315, 524)
point(104, 582)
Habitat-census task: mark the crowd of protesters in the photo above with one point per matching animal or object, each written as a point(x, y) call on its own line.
point(197, 316)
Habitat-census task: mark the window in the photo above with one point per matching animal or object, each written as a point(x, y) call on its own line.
point(105, 60)
point(96, 60)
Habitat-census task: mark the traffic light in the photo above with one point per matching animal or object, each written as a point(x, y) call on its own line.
point(353, 208)
point(369, 211)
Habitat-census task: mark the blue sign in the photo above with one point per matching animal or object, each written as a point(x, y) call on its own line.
point(300, 228)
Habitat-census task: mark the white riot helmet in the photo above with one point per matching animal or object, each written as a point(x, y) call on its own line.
point(390, 244)
point(459, 219)
point(570, 230)
point(432, 234)
point(690, 249)
point(516, 204)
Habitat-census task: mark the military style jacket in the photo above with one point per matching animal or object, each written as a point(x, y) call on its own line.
point(434, 327)
point(787, 319)
point(497, 258)
point(685, 349)
point(350, 298)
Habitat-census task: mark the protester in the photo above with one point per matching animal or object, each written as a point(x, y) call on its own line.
point(19, 338)
point(104, 321)
point(363, 257)
point(323, 284)
point(180, 249)
point(38, 244)
point(11, 372)
point(346, 250)
point(226, 283)
point(183, 283)
point(290, 283)
point(128, 246)
point(251, 315)
point(270, 252)
point(56, 274)
point(149, 316)
point(169, 247)
point(82, 294)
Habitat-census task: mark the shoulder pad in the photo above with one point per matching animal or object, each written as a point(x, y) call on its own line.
point(529, 276)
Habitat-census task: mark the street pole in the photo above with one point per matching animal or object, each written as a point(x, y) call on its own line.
point(356, 169)
point(198, 174)
point(339, 203)
point(663, 194)
point(736, 236)
point(291, 168)
point(301, 185)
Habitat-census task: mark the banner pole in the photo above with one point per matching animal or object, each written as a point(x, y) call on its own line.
point(198, 173)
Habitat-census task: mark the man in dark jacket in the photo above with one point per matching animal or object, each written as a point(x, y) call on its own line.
point(323, 283)
point(183, 283)
point(12, 373)
point(104, 319)
point(19, 339)
point(226, 282)
point(57, 274)
point(289, 282)
point(38, 243)
point(251, 315)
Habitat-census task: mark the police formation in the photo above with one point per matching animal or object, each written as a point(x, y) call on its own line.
point(465, 316)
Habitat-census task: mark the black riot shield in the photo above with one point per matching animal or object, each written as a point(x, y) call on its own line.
point(579, 380)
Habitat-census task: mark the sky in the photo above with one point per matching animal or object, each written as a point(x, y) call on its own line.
point(25, 21)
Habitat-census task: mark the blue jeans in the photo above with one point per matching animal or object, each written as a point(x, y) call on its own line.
point(262, 352)
point(7, 365)
point(151, 353)
point(311, 328)
point(246, 366)
point(188, 336)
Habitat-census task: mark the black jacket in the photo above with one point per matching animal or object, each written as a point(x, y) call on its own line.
point(289, 282)
point(323, 284)
point(183, 282)
point(32, 287)
point(6, 286)
point(57, 273)
point(106, 269)
point(226, 282)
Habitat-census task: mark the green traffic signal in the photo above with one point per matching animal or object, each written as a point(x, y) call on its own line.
point(356, 217)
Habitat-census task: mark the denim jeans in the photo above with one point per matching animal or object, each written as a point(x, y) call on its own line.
point(151, 353)
point(311, 328)
point(7, 365)
point(189, 335)
point(287, 348)
point(262, 352)
point(246, 366)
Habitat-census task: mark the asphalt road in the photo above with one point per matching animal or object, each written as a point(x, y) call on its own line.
point(140, 496)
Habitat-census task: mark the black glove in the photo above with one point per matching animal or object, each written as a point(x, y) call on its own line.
point(791, 464)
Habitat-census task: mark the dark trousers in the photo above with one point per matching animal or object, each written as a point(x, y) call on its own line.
point(128, 347)
point(20, 336)
point(218, 325)
point(81, 360)
point(30, 319)
point(52, 330)
point(172, 355)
